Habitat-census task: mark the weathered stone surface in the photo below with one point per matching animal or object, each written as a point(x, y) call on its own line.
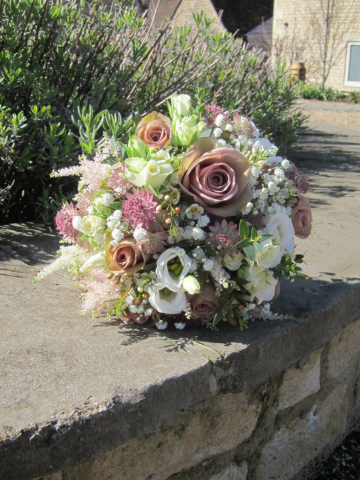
point(299, 442)
point(233, 472)
point(343, 347)
point(55, 476)
point(224, 424)
point(301, 381)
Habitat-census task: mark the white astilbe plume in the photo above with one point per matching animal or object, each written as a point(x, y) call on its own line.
point(71, 257)
point(220, 275)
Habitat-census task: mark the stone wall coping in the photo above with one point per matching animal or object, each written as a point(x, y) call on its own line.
point(73, 387)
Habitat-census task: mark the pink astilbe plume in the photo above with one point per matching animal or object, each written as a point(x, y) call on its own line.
point(97, 291)
point(63, 221)
point(224, 237)
point(139, 209)
point(117, 182)
point(243, 126)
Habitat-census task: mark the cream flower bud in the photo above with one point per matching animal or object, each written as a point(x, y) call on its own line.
point(191, 285)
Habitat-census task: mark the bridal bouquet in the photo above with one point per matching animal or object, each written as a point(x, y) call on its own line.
point(191, 223)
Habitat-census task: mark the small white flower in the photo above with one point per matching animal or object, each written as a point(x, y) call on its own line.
point(252, 181)
point(198, 234)
point(162, 325)
point(219, 120)
point(217, 132)
point(256, 133)
point(133, 309)
point(117, 235)
point(77, 223)
point(194, 211)
point(249, 205)
point(208, 265)
point(99, 238)
point(148, 312)
point(180, 251)
point(180, 325)
point(255, 171)
point(289, 211)
point(194, 265)
point(91, 210)
point(174, 195)
point(114, 243)
point(198, 253)
point(286, 164)
point(107, 199)
point(139, 234)
point(129, 299)
point(117, 214)
point(242, 138)
point(187, 235)
point(220, 143)
point(229, 128)
point(203, 221)
point(273, 188)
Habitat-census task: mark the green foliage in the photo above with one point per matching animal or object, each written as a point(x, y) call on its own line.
point(354, 97)
point(316, 92)
point(251, 240)
point(290, 269)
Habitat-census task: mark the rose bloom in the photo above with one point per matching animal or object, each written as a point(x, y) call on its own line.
point(204, 304)
point(301, 218)
point(217, 180)
point(155, 130)
point(126, 258)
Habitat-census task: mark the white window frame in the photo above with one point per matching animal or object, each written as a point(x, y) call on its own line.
point(348, 50)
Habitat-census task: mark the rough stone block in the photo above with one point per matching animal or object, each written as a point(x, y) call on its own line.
point(233, 472)
point(54, 476)
point(226, 423)
point(300, 381)
point(343, 347)
point(294, 445)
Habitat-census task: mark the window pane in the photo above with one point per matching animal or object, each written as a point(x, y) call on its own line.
point(354, 67)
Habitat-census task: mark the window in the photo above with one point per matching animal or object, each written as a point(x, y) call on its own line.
point(352, 74)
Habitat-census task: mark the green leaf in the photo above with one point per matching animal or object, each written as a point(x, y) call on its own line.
point(240, 281)
point(218, 316)
point(254, 233)
point(264, 237)
point(250, 252)
point(84, 237)
point(206, 133)
point(210, 250)
point(115, 205)
point(112, 144)
point(243, 229)
point(258, 246)
point(149, 266)
point(174, 142)
point(202, 93)
point(244, 243)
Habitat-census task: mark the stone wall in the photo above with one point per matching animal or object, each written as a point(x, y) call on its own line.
point(293, 38)
point(275, 431)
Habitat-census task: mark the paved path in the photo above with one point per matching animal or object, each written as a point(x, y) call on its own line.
point(324, 105)
point(334, 113)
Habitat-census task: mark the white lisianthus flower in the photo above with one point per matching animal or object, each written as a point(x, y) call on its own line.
point(269, 257)
point(77, 223)
point(107, 199)
point(139, 234)
point(167, 301)
point(232, 263)
point(181, 104)
point(191, 285)
point(194, 211)
point(280, 227)
point(273, 160)
point(187, 130)
point(166, 275)
point(147, 173)
point(264, 144)
point(161, 156)
point(96, 261)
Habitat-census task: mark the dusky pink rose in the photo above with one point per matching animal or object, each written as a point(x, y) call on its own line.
point(204, 304)
point(155, 130)
point(217, 180)
point(129, 317)
point(301, 218)
point(126, 258)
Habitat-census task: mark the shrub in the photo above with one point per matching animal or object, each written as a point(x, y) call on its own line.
point(72, 70)
point(316, 92)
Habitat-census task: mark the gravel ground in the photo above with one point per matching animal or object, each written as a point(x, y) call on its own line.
point(342, 119)
point(344, 462)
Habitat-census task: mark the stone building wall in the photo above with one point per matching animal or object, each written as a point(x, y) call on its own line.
point(293, 37)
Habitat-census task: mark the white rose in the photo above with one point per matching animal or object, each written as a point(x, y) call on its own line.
point(191, 285)
point(91, 224)
point(234, 262)
point(269, 257)
point(170, 303)
point(181, 104)
point(167, 276)
point(77, 223)
point(261, 283)
point(149, 173)
point(280, 227)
